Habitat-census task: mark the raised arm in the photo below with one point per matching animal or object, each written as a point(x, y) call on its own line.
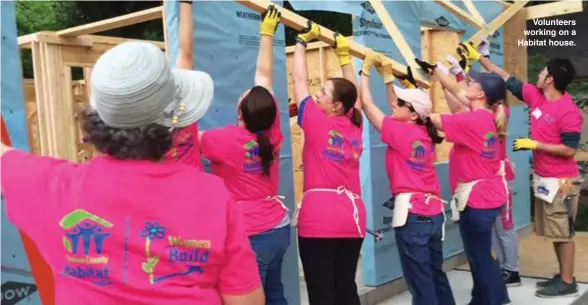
point(185, 59)
point(446, 81)
point(299, 68)
point(372, 112)
point(265, 57)
point(342, 52)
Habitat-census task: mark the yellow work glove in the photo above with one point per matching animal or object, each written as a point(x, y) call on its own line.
point(311, 32)
point(469, 51)
point(269, 21)
point(408, 80)
point(371, 58)
point(385, 69)
point(524, 144)
point(342, 49)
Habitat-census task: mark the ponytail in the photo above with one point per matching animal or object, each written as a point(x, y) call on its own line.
point(355, 117)
point(432, 131)
point(501, 120)
point(266, 152)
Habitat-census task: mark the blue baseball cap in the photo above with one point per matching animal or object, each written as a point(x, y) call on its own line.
point(493, 85)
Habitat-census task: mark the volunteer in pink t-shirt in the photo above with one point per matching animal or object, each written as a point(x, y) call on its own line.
point(129, 227)
point(410, 165)
point(185, 147)
point(481, 190)
point(556, 127)
point(331, 216)
point(246, 156)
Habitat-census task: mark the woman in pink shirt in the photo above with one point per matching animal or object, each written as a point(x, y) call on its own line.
point(185, 146)
point(331, 217)
point(419, 217)
point(481, 191)
point(246, 156)
point(129, 227)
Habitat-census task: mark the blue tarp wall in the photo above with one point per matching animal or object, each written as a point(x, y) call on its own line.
point(18, 286)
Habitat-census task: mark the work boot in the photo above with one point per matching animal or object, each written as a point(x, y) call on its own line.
point(511, 278)
point(549, 282)
point(559, 289)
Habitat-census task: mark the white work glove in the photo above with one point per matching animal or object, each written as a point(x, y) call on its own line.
point(455, 66)
point(443, 68)
point(484, 47)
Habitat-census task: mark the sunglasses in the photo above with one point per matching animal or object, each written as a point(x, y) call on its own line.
point(403, 103)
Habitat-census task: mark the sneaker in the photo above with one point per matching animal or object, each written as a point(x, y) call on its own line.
point(549, 282)
point(559, 289)
point(511, 278)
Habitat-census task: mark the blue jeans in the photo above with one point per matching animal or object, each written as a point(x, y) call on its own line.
point(421, 256)
point(475, 226)
point(269, 248)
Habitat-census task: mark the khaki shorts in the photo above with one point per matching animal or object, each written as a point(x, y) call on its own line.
point(556, 220)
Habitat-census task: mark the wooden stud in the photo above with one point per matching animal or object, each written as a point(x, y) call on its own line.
point(459, 13)
point(165, 36)
point(469, 4)
point(554, 9)
point(495, 24)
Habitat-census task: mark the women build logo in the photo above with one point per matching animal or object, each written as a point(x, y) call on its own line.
point(417, 159)
point(252, 161)
point(489, 149)
point(84, 241)
point(334, 150)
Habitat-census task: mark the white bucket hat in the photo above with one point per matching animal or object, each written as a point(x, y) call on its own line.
point(132, 85)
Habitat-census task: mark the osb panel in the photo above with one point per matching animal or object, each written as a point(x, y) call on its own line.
point(31, 115)
point(515, 56)
point(439, 45)
point(297, 165)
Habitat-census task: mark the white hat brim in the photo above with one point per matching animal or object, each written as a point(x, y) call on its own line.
point(195, 89)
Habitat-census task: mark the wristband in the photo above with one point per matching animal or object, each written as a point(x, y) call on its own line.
point(301, 41)
point(460, 76)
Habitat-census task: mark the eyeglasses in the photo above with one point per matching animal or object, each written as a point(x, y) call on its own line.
point(403, 103)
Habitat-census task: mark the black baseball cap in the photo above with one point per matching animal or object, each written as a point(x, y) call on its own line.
point(493, 85)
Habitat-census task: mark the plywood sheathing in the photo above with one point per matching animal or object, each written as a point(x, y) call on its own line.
point(515, 56)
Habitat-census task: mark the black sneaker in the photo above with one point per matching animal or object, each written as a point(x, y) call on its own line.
point(549, 282)
point(559, 289)
point(511, 278)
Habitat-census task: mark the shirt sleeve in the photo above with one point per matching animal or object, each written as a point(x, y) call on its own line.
point(308, 112)
point(391, 131)
point(457, 127)
point(30, 186)
point(531, 94)
point(239, 274)
point(212, 145)
point(571, 123)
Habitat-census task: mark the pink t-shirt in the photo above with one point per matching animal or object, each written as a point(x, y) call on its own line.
point(130, 232)
point(185, 148)
point(410, 164)
point(331, 152)
point(549, 119)
point(476, 156)
point(233, 153)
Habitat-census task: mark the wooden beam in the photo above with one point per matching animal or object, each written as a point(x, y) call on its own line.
point(497, 22)
point(582, 156)
point(396, 35)
point(554, 9)
point(459, 13)
point(474, 11)
point(298, 23)
point(114, 23)
point(81, 41)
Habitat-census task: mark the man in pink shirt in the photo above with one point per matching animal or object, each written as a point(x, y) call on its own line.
point(418, 218)
point(556, 127)
point(129, 227)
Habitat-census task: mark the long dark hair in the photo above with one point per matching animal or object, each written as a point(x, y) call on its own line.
point(258, 111)
point(431, 130)
point(345, 92)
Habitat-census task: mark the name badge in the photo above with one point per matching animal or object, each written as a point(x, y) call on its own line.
point(537, 113)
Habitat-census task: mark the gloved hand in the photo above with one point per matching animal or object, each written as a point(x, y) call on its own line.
point(408, 80)
point(469, 51)
point(456, 68)
point(464, 63)
point(311, 32)
point(484, 47)
point(342, 50)
point(371, 58)
point(524, 144)
point(443, 68)
point(385, 69)
point(269, 21)
point(429, 68)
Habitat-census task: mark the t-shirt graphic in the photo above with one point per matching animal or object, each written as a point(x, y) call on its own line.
point(252, 160)
point(334, 150)
point(85, 237)
point(417, 161)
point(489, 150)
point(192, 254)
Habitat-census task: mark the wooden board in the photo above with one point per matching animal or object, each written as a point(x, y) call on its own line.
point(515, 56)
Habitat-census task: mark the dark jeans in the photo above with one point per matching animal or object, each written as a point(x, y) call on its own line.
point(270, 247)
point(421, 256)
point(329, 266)
point(476, 226)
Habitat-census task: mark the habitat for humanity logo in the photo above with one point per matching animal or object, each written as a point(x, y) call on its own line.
point(489, 150)
point(417, 158)
point(84, 241)
point(356, 148)
point(193, 254)
point(14, 292)
point(252, 160)
point(334, 150)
